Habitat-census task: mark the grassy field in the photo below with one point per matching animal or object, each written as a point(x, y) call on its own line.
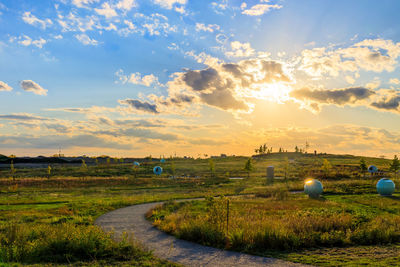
point(49, 220)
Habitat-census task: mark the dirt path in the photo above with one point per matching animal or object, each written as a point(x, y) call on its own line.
point(132, 220)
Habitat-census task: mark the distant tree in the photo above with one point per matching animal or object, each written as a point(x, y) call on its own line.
point(121, 160)
point(248, 167)
point(296, 149)
point(108, 161)
point(256, 150)
point(280, 150)
point(211, 166)
point(326, 167)
point(395, 165)
point(12, 156)
point(12, 170)
point(265, 148)
point(363, 166)
point(307, 146)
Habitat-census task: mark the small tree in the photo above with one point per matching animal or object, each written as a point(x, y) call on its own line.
point(83, 166)
point(248, 167)
point(363, 167)
point(395, 165)
point(12, 170)
point(326, 167)
point(286, 168)
point(173, 169)
point(48, 171)
point(211, 166)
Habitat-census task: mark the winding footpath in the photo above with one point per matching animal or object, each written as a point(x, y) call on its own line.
point(132, 220)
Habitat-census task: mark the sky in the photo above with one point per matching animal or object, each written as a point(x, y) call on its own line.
point(186, 77)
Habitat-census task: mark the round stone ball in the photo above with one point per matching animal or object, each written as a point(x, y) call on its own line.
point(162, 160)
point(372, 169)
point(385, 187)
point(313, 188)
point(157, 170)
point(136, 163)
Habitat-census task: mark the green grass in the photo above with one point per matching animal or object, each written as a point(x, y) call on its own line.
point(43, 214)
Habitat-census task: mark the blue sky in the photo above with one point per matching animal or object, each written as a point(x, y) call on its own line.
point(132, 77)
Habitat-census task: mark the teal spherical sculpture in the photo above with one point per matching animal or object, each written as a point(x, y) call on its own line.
point(385, 187)
point(372, 169)
point(136, 163)
point(157, 170)
point(313, 188)
point(162, 160)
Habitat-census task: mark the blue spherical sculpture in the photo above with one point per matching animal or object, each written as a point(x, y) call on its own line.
point(136, 163)
point(162, 160)
point(157, 170)
point(385, 187)
point(372, 169)
point(313, 188)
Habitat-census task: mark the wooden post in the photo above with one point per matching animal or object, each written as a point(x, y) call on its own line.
point(227, 217)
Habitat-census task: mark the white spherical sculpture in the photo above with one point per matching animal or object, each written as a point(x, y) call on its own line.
point(385, 187)
point(313, 188)
point(157, 170)
point(372, 169)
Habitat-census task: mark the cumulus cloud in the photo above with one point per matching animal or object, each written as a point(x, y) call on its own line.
point(207, 27)
point(394, 81)
point(140, 105)
point(33, 20)
point(126, 4)
point(106, 10)
point(259, 9)
point(169, 4)
point(138, 78)
point(371, 55)
point(240, 50)
point(86, 40)
point(5, 87)
point(31, 86)
point(83, 3)
point(27, 41)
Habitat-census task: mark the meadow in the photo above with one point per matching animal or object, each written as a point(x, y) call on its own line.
point(48, 219)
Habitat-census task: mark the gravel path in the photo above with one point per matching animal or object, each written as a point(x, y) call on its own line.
point(132, 220)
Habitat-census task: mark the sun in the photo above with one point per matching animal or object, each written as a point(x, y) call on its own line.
point(276, 92)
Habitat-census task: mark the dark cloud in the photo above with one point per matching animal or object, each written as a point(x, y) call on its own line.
point(388, 104)
point(221, 86)
point(140, 105)
point(23, 117)
point(55, 141)
point(335, 96)
point(31, 86)
point(140, 133)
